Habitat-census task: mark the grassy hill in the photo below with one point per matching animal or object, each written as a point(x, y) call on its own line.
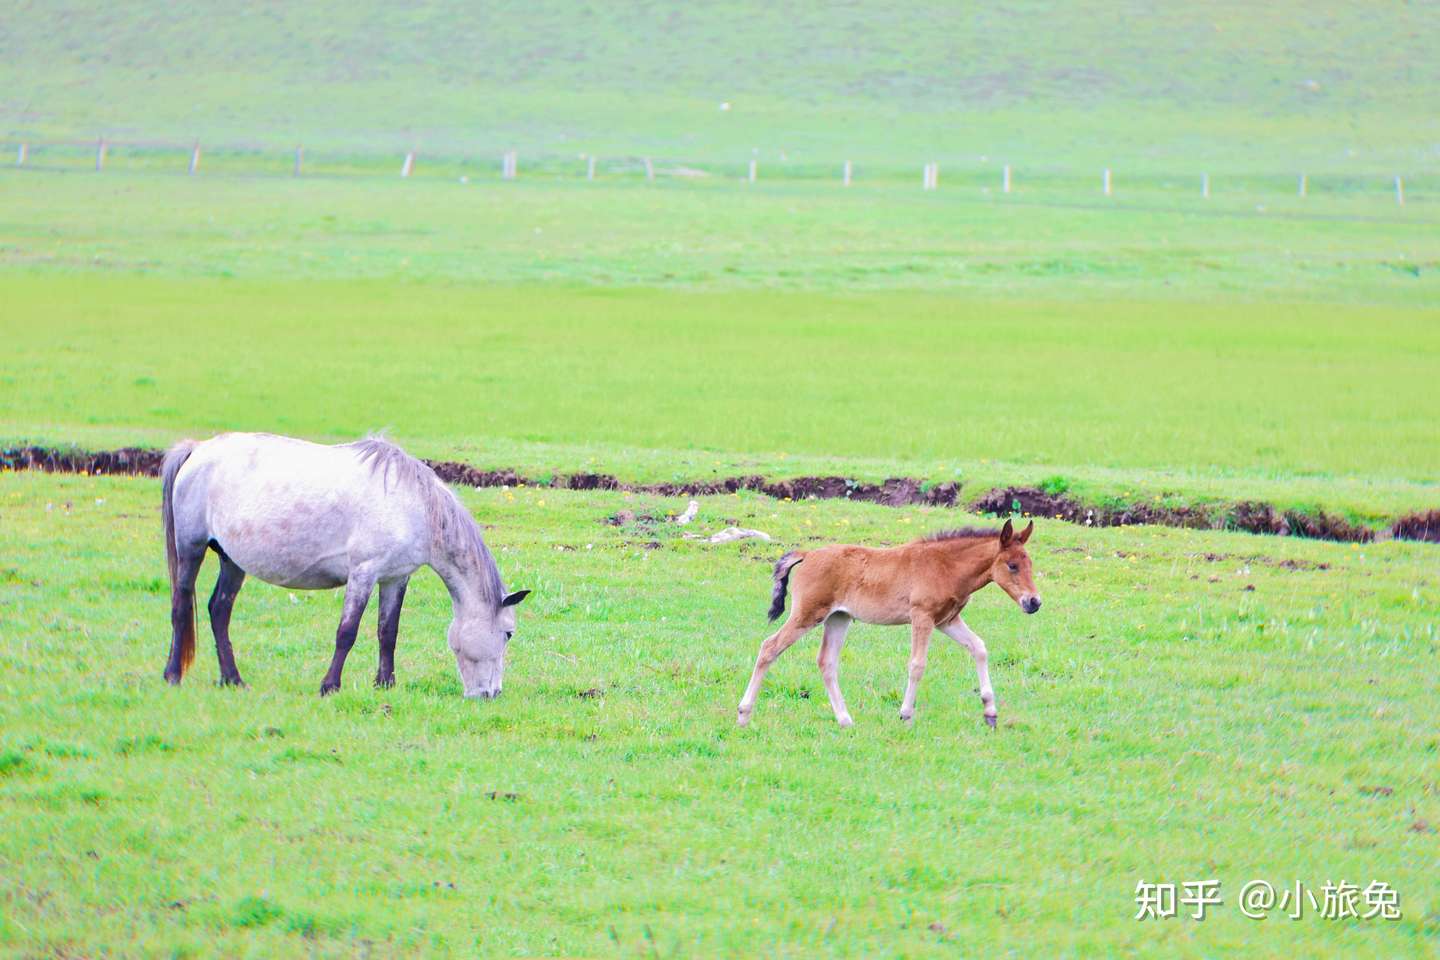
point(1337, 86)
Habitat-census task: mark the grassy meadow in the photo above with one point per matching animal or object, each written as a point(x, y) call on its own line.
point(1188, 705)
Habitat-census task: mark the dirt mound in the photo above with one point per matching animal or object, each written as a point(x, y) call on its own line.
point(1418, 526)
point(127, 460)
point(1003, 501)
point(1249, 515)
point(462, 474)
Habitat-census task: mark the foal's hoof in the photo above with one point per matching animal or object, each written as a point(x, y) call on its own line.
point(990, 722)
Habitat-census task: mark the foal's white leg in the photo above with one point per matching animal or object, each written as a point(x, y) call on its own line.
point(961, 633)
point(835, 626)
point(921, 627)
point(774, 645)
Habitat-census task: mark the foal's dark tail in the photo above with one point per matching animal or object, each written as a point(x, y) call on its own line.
point(782, 581)
point(175, 458)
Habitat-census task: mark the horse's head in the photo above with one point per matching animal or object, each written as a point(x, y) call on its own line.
point(479, 643)
point(1011, 569)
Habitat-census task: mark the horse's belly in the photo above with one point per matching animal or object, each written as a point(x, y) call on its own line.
point(298, 570)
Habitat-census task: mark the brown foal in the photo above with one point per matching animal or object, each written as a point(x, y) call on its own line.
point(925, 584)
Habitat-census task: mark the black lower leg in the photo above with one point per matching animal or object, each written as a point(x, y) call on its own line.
point(355, 601)
point(392, 597)
point(222, 601)
point(182, 617)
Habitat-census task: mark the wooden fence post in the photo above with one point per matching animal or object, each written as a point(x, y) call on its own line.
point(753, 169)
point(1304, 185)
point(508, 165)
point(100, 154)
point(649, 170)
point(408, 166)
point(1005, 180)
point(1399, 191)
point(20, 155)
point(932, 176)
point(299, 159)
point(1106, 182)
point(1205, 185)
point(590, 168)
point(195, 158)
point(845, 176)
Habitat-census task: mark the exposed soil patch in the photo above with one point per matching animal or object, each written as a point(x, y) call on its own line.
point(127, 460)
point(1249, 515)
point(1418, 526)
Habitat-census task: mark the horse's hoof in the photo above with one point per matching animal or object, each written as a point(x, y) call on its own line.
point(845, 721)
point(234, 682)
point(907, 717)
point(742, 718)
point(172, 678)
point(990, 722)
point(328, 688)
point(384, 683)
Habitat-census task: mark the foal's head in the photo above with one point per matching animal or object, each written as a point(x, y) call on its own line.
point(1011, 569)
point(479, 643)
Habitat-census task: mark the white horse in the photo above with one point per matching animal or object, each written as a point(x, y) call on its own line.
point(313, 517)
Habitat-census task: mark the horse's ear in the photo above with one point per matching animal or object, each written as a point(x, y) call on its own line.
point(1007, 533)
point(514, 598)
point(1025, 534)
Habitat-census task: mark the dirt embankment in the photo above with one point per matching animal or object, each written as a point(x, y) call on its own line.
point(1249, 515)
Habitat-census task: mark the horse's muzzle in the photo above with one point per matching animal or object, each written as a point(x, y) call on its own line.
point(1030, 604)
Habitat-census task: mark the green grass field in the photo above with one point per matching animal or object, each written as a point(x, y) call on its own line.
point(1188, 705)
point(1158, 720)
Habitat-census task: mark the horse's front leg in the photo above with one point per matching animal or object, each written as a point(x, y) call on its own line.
point(959, 631)
point(392, 598)
point(921, 626)
point(357, 595)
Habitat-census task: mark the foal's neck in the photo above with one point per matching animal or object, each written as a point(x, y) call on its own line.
point(971, 560)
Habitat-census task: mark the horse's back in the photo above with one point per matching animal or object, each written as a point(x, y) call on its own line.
point(869, 583)
point(296, 513)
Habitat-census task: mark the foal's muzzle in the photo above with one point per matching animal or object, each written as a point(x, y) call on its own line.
point(1030, 604)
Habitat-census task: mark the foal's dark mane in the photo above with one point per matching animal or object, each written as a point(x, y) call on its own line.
point(960, 533)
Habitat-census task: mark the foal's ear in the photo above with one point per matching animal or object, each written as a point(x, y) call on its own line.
point(514, 598)
point(1025, 534)
point(1007, 533)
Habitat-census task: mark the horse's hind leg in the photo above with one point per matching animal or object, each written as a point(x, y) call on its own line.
point(835, 626)
point(182, 613)
point(774, 645)
point(357, 595)
point(392, 598)
point(222, 601)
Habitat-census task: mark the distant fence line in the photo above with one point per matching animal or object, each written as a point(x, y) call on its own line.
point(149, 154)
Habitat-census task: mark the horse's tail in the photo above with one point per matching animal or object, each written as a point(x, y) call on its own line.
point(175, 458)
point(782, 581)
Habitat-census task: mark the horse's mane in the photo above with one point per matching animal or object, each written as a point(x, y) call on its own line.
point(450, 522)
point(960, 533)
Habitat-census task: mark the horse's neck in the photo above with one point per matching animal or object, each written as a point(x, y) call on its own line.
point(970, 562)
point(461, 575)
